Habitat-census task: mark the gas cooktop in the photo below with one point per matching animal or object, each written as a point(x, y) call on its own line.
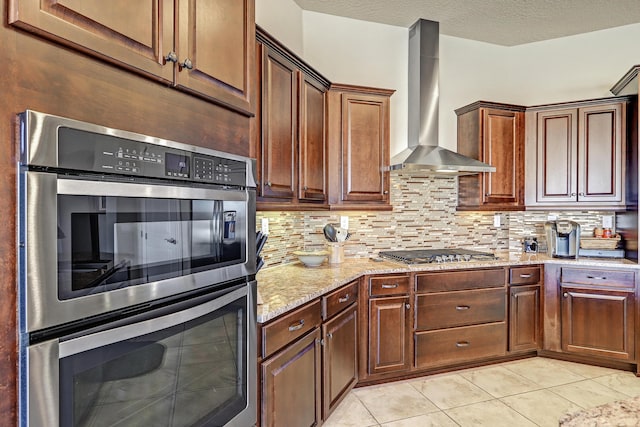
point(425, 256)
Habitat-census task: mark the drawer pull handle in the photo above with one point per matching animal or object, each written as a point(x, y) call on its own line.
point(462, 344)
point(525, 276)
point(597, 277)
point(462, 307)
point(297, 326)
point(344, 299)
point(385, 286)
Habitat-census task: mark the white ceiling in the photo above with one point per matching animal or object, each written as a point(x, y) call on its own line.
point(503, 22)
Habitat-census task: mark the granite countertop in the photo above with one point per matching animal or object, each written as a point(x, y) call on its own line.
point(619, 413)
point(285, 287)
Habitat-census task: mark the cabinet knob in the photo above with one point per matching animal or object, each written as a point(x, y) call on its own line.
point(305, 188)
point(573, 194)
point(580, 194)
point(329, 335)
point(487, 194)
point(385, 192)
point(171, 57)
point(407, 306)
point(186, 64)
point(566, 295)
point(268, 183)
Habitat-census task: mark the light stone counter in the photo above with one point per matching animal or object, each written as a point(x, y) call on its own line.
point(620, 413)
point(285, 287)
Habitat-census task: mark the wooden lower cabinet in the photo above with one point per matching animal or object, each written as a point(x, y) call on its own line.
point(291, 384)
point(457, 345)
point(524, 318)
point(389, 334)
point(340, 358)
point(598, 322)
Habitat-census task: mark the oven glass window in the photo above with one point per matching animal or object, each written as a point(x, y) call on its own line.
point(188, 374)
point(105, 243)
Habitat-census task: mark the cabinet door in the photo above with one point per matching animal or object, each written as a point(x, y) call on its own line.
point(598, 322)
point(557, 142)
point(365, 136)
point(389, 334)
point(132, 34)
point(340, 358)
point(313, 159)
point(600, 153)
point(217, 38)
point(503, 148)
point(524, 318)
point(291, 385)
point(279, 127)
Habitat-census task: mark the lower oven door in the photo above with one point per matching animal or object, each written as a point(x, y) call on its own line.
point(189, 364)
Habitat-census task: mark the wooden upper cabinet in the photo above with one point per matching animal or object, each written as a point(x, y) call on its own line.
point(279, 112)
point(359, 147)
point(313, 151)
point(291, 130)
point(216, 37)
point(576, 154)
point(492, 133)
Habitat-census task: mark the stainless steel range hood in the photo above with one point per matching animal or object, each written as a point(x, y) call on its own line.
point(424, 153)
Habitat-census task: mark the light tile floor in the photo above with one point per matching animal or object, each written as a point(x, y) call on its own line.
point(529, 392)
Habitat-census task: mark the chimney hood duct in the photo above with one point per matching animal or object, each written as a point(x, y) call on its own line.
point(423, 153)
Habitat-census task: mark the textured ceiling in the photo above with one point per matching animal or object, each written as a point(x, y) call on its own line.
point(503, 22)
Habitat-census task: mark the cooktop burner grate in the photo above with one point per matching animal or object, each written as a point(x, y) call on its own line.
point(425, 256)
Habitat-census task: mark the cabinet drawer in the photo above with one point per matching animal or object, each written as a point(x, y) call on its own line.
point(450, 309)
point(598, 277)
point(524, 275)
point(389, 285)
point(340, 299)
point(450, 346)
point(458, 280)
point(290, 327)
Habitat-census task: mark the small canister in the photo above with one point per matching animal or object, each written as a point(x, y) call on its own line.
point(336, 252)
point(597, 232)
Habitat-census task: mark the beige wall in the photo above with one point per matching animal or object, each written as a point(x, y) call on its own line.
point(350, 51)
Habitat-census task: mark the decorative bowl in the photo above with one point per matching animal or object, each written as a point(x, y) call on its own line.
point(312, 258)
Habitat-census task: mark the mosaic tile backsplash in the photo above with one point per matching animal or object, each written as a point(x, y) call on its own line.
point(424, 216)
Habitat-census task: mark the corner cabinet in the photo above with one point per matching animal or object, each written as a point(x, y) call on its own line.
point(291, 139)
point(359, 147)
point(202, 47)
point(575, 154)
point(492, 133)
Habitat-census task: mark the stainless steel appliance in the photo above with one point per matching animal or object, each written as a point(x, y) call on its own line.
point(563, 238)
point(425, 256)
point(137, 293)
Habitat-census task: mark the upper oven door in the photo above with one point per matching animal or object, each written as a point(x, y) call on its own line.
point(97, 246)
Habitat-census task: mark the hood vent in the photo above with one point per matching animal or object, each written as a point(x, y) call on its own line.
point(424, 154)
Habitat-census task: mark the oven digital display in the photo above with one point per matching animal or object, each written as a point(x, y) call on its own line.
point(177, 165)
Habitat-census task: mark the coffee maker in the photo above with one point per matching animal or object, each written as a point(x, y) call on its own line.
point(563, 238)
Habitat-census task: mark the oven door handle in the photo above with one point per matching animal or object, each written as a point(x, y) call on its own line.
point(122, 333)
point(79, 187)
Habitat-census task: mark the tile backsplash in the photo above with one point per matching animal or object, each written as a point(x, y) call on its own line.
point(424, 216)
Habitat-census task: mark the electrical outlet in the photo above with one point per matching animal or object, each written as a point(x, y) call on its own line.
point(607, 221)
point(344, 222)
point(265, 226)
point(496, 220)
point(552, 217)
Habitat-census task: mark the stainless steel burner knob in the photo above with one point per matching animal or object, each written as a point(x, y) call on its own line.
point(439, 258)
point(466, 257)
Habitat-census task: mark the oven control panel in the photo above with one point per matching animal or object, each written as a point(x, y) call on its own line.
point(94, 152)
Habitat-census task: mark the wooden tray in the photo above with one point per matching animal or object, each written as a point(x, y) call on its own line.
point(600, 242)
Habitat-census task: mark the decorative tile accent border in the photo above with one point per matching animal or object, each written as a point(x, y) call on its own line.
point(424, 216)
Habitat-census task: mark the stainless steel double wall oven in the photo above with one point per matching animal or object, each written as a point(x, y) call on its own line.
point(137, 279)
